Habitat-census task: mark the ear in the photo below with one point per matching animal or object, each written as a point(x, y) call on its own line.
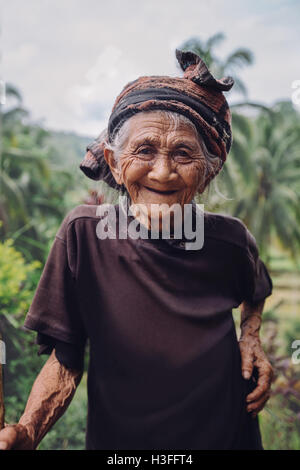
point(114, 167)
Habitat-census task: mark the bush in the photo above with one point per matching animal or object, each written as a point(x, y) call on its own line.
point(18, 280)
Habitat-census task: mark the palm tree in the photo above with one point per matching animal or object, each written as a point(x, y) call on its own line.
point(266, 158)
point(31, 188)
point(238, 59)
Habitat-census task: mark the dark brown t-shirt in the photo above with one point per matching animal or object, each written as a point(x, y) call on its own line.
point(164, 366)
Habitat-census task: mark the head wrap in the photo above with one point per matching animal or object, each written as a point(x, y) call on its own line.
point(197, 95)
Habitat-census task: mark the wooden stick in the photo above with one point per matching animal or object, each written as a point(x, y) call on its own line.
point(2, 411)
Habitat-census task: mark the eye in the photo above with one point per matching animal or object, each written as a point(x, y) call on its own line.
point(182, 152)
point(181, 155)
point(145, 152)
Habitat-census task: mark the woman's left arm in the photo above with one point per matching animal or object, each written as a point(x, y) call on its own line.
point(252, 354)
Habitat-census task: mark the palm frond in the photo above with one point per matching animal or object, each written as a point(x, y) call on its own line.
point(215, 40)
point(238, 59)
point(11, 90)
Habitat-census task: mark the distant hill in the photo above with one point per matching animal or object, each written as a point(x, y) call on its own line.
point(66, 148)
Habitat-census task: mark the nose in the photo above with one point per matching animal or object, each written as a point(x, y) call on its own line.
point(162, 170)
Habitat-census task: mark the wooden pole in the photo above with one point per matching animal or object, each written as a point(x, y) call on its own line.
point(1, 387)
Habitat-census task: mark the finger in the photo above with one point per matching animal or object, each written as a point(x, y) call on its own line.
point(247, 362)
point(263, 384)
point(259, 404)
point(258, 392)
point(8, 437)
point(255, 413)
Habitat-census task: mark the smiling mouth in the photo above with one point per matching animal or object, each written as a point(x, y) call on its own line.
point(161, 192)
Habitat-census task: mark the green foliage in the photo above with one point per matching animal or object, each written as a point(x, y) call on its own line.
point(16, 282)
point(280, 420)
point(22, 367)
point(291, 333)
point(262, 179)
point(33, 187)
point(278, 427)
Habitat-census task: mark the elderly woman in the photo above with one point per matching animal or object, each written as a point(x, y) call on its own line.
point(166, 370)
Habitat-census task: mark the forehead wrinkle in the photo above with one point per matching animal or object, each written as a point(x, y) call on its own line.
point(146, 137)
point(172, 136)
point(181, 142)
point(161, 133)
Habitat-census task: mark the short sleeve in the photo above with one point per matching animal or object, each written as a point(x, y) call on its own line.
point(70, 355)
point(54, 310)
point(258, 281)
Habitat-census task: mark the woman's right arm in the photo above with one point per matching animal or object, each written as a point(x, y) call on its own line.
point(50, 396)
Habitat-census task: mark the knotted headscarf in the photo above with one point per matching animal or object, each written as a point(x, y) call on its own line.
point(197, 95)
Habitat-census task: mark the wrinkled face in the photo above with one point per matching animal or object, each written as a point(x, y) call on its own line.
point(159, 165)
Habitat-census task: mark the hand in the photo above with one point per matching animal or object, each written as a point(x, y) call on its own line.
point(15, 437)
point(252, 354)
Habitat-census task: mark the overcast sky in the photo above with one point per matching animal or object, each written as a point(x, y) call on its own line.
point(70, 58)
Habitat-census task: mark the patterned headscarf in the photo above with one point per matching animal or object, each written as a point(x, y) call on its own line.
point(197, 95)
